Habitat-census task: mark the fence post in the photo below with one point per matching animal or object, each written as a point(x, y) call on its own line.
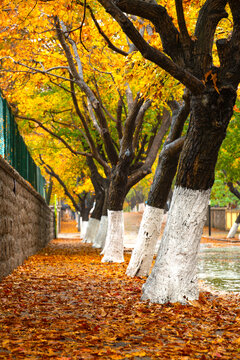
point(209, 218)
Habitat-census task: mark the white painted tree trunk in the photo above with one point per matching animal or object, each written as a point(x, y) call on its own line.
point(233, 230)
point(84, 225)
point(113, 250)
point(92, 229)
point(100, 238)
point(78, 220)
point(174, 275)
point(148, 235)
point(164, 217)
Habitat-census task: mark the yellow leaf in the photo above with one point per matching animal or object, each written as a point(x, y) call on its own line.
point(237, 340)
point(214, 79)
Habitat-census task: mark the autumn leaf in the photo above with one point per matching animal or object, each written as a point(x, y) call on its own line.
point(56, 306)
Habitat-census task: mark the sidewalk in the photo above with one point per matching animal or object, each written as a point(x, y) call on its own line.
point(131, 226)
point(65, 304)
point(219, 235)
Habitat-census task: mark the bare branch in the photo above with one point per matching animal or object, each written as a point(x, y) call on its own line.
point(111, 151)
point(166, 121)
point(76, 76)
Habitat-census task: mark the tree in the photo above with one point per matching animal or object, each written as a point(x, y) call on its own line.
point(213, 90)
point(119, 144)
point(150, 227)
point(84, 202)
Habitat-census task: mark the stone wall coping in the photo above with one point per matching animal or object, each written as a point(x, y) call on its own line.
point(16, 176)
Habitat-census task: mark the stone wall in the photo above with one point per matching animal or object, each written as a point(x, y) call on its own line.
point(26, 222)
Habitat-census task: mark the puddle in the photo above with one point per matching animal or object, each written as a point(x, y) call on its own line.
point(220, 267)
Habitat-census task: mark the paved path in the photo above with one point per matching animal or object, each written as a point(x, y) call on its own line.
point(132, 222)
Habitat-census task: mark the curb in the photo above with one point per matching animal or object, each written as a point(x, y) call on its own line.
point(224, 240)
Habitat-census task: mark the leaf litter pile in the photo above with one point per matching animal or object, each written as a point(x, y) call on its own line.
point(63, 303)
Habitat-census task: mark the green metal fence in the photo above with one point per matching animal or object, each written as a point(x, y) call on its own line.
point(14, 150)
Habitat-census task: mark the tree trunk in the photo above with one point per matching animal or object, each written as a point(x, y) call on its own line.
point(84, 225)
point(113, 250)
point(115, 233)
point(142, 255)
point(94, 221)
point(91, 231)
point(84, 219)
point(100, 238)
point(98, 183)
point(174, 275)
point(234, 228)
point(85, 203)
point(149, 231)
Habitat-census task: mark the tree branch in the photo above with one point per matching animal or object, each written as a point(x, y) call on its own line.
point(162, 22)
point(152, 153)
point(54, 135)
point(209, 16)
point(101, 32)
point(76, 76)
point(87, 132)
point(49, 170)
point(175, 147)
point(233, 189)
point(179, 117)
point(145, 169)
point(235, 41)
point(150, 53)
point(126, 148)
point(36, 71)
point(185, 38)
point(139, 121)
point(119, 119)
point(111, 151)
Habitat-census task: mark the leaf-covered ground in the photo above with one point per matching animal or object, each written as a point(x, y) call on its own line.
point(63, 303)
